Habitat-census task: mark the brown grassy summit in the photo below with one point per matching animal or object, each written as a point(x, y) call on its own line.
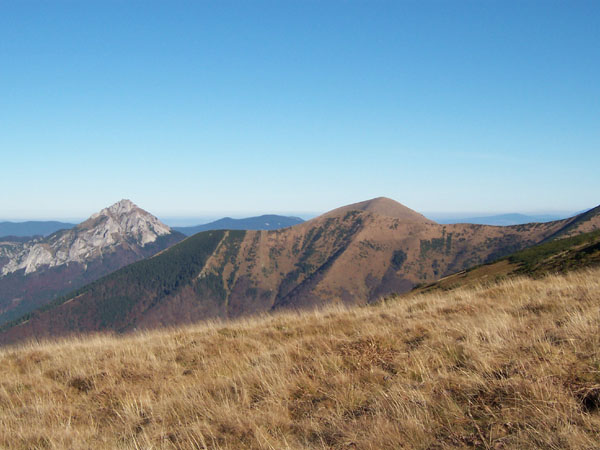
point(512, 365)
point(381, 206)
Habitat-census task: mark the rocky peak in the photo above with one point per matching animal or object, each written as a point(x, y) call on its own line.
point(123, 223)
point(126, 219)
point(118, 209)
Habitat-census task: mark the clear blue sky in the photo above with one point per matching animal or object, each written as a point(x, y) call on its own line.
point(199, 108)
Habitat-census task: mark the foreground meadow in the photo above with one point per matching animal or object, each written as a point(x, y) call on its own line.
point(512, 365)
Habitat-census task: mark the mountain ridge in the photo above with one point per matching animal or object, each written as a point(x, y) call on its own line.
point(354, 256)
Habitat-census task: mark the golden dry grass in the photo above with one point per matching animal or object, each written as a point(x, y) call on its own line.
point(516, 365)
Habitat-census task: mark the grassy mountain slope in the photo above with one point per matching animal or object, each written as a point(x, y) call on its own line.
point(511, 365)
point(353, 255)
point(560, 255)
point(581, 223)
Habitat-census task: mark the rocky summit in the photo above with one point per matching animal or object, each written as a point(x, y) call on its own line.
point(121, 223)
point(35, 271)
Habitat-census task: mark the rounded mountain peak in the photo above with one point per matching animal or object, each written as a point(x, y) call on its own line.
point(382, 206)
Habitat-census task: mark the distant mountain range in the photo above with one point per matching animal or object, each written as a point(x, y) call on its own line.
point(44, 228)
point(502, 219)
point(266, 222)
point(32, 228)
point(352, 255)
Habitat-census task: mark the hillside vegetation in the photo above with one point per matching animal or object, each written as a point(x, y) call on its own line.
point(509, 365)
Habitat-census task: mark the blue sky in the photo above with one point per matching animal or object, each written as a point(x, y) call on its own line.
point(214, 108)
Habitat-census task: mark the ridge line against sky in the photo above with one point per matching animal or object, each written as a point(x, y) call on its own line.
point(255, 107)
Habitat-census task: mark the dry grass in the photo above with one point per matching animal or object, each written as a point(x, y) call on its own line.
point(515, 365)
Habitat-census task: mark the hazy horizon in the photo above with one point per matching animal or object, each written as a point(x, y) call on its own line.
point(203, 218)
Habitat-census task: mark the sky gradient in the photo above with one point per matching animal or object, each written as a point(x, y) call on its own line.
point(241, 108)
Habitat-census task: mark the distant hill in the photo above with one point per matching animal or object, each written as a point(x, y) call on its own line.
point(32, 228)
point(266, 222)
point(353, 255)
point(502, 219)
